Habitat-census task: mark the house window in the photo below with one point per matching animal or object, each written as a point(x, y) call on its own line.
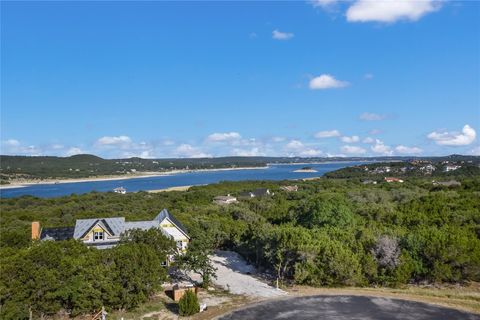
point(97, 235)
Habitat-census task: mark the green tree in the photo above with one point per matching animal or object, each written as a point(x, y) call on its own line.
point(197, 260)
point(138, 273)
point(188, 304)
point(325, 210)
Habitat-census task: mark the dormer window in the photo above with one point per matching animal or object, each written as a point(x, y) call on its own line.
point(98, 235)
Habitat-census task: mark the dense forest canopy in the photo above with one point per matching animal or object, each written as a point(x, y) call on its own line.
point(331, 232)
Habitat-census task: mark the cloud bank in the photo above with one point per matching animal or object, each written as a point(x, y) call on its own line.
point(445, 138)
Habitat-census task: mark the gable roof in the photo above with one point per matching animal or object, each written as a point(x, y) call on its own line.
point(261, 192)
point(164, 214)
point(143, 225)
point(224, 198)
point(59, 233)
point(114, 226)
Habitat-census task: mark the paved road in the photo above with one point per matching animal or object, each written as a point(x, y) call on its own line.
point(347, 308)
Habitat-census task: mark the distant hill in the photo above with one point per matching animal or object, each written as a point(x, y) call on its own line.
point(87, 165)
point(437, 168)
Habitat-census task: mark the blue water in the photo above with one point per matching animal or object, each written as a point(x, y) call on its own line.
point(273, 172)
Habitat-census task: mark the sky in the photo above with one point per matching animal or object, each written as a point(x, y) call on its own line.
point(206, 79)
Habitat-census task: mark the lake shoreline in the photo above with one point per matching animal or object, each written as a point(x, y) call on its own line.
point(139, 175)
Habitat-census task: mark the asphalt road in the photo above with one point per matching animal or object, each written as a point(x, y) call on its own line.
point(346, 307)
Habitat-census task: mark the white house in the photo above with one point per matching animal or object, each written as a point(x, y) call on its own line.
point(104, 233)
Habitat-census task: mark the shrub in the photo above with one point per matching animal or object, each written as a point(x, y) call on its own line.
point(188, 304)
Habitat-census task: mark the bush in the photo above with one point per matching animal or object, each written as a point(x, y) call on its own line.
point(188, 304)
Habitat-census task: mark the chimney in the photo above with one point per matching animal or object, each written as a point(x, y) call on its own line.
point(35, 230)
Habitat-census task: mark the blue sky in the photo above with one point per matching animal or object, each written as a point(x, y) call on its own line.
point(192, 79)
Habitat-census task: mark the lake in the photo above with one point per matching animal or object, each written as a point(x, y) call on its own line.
point(273, 172)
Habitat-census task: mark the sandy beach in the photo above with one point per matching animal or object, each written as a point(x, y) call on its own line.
point(138, 175)
point(305, 170)
point(179, 188)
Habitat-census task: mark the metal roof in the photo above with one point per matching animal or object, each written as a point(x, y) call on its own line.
point(164, 214)
point(61, 233)
point(114, 226)
point(143, 225)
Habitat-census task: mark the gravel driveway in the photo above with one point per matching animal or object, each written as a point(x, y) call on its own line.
point(235, 275)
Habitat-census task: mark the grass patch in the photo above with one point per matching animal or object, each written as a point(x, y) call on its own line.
point(155, 304)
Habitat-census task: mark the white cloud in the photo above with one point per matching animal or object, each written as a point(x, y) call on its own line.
point(294, 145)
point(327, 134)
point(124, 146)
point(187, 151)
point(389, 11)
point(353, 149)
point(223, 137)
point(254, 152)
point(145, 154)
point(368, 76)
point(326, 81)
point(367, 116)
point(407, 150)
point(114, 141)
point(278, 35)
point(351, 139)
point(466, 137)
point(381, 148)
point(12, 143)
point(15, 147)
point(73, 151)
point(375, 131)
point(297, 148)
point(323, 3)
point(368, 140)
point(310, 152)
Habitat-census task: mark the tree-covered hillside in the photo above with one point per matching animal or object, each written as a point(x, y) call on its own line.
point(82, 166)
point(435, 168)
point(329, 233)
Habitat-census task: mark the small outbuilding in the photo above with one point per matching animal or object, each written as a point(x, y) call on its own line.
point(223, 200)
point(289, 188)
point(257, 193)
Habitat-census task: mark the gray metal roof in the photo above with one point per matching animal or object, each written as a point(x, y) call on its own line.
point(113, 225)
point(165, 214)
point(143, 225)
point(224, 198)
point(61, 233)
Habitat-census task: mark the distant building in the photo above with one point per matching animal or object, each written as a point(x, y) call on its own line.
point(104, 233)
point(120, 190)
point(451, 183)
point(391, 179)
point(428, 169)
point(289, 188)
point(418, 162)
point(261, 192)
point(380, 170)
point(228, 199)
point(449, 168)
